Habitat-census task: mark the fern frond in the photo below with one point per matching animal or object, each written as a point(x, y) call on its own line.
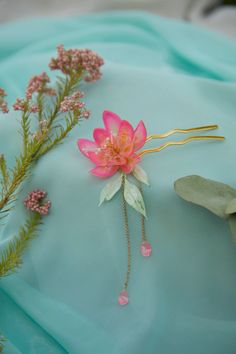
point(40, 105)
point(4, 172)
point(64, 86)
point(11, 256)
point(35, 148)
point(61, 134)
point(25, 130)
point(2, 341)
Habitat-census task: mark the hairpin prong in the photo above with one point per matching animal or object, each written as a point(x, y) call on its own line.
point(182, 142)
point(184, 131)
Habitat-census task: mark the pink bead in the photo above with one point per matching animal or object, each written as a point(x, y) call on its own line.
point(123, 298)
point(146, 249)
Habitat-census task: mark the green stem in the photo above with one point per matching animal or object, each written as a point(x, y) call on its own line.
point(4, 172)
point(19, 173)
point(58, 139)
point(11, 257)
point(40, 106)
point(25, 131)
point(70, 82)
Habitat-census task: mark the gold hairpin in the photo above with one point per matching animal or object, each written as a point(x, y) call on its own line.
point(184, 141)
point(116, 151)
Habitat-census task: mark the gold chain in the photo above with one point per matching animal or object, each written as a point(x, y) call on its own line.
point(142, 217)
point(127, 234)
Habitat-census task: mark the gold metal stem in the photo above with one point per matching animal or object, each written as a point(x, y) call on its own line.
point(181, 142)
point(127, 235)
point(142, 218)
point(185, 131)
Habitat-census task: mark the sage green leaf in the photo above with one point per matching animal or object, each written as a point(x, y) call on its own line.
point(214, 196)
point(232, 225)
point(134, 197)
point(110, 189)
point(140, 175)
point(231, 207)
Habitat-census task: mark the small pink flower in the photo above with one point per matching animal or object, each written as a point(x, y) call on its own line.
point(115, 147)
point(86, 114)
point(20, 105)
point(38, 83)
point(34, 202)
point(72, 103)
point(2, 92)
point(34, 108)
point(75, 61)
point(3, 103)
point(4, 107)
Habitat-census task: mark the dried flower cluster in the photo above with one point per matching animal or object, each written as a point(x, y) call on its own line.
point(34, 202)
point(38, 84)
point(77, 61)
point(73, 104)
point(20, 105)
point(3, 103)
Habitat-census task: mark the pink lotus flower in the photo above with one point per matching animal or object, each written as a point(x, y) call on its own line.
point(115, 147)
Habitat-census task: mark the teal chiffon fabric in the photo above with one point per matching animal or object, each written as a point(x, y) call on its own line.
point(182, 298)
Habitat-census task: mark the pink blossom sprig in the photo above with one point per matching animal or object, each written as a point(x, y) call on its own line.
point(24, 106)
point(75, 61)
point(3, 103)
point(73, 104)
point(38, 84)
point(20, 105)
point(34, 202)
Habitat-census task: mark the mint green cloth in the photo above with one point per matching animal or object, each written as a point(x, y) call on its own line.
point(182, 298)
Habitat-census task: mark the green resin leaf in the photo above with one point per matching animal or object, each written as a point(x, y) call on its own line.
point(214, 196)
point(231, 207)
point(232, 225)
point(134, 197)
point(140, 175)
point(110, 189)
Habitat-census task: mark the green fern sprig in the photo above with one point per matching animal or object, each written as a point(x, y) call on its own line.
point(61, 133)
point(4, 174)
point(85, 65)
point(2, 341)
point(40, 106)
point(64, 86)
point(11, 256)
point(25, 126)
point(34, 149)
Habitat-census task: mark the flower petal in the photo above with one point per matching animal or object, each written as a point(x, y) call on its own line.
point(140, 136)
point(100, 135)
point(104, 171)
point(98, 158)
point(86, 146)
point(112, 122)
point(124, 141)
point(131, 162)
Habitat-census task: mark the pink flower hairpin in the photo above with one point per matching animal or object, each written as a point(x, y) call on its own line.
point(116, 151)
